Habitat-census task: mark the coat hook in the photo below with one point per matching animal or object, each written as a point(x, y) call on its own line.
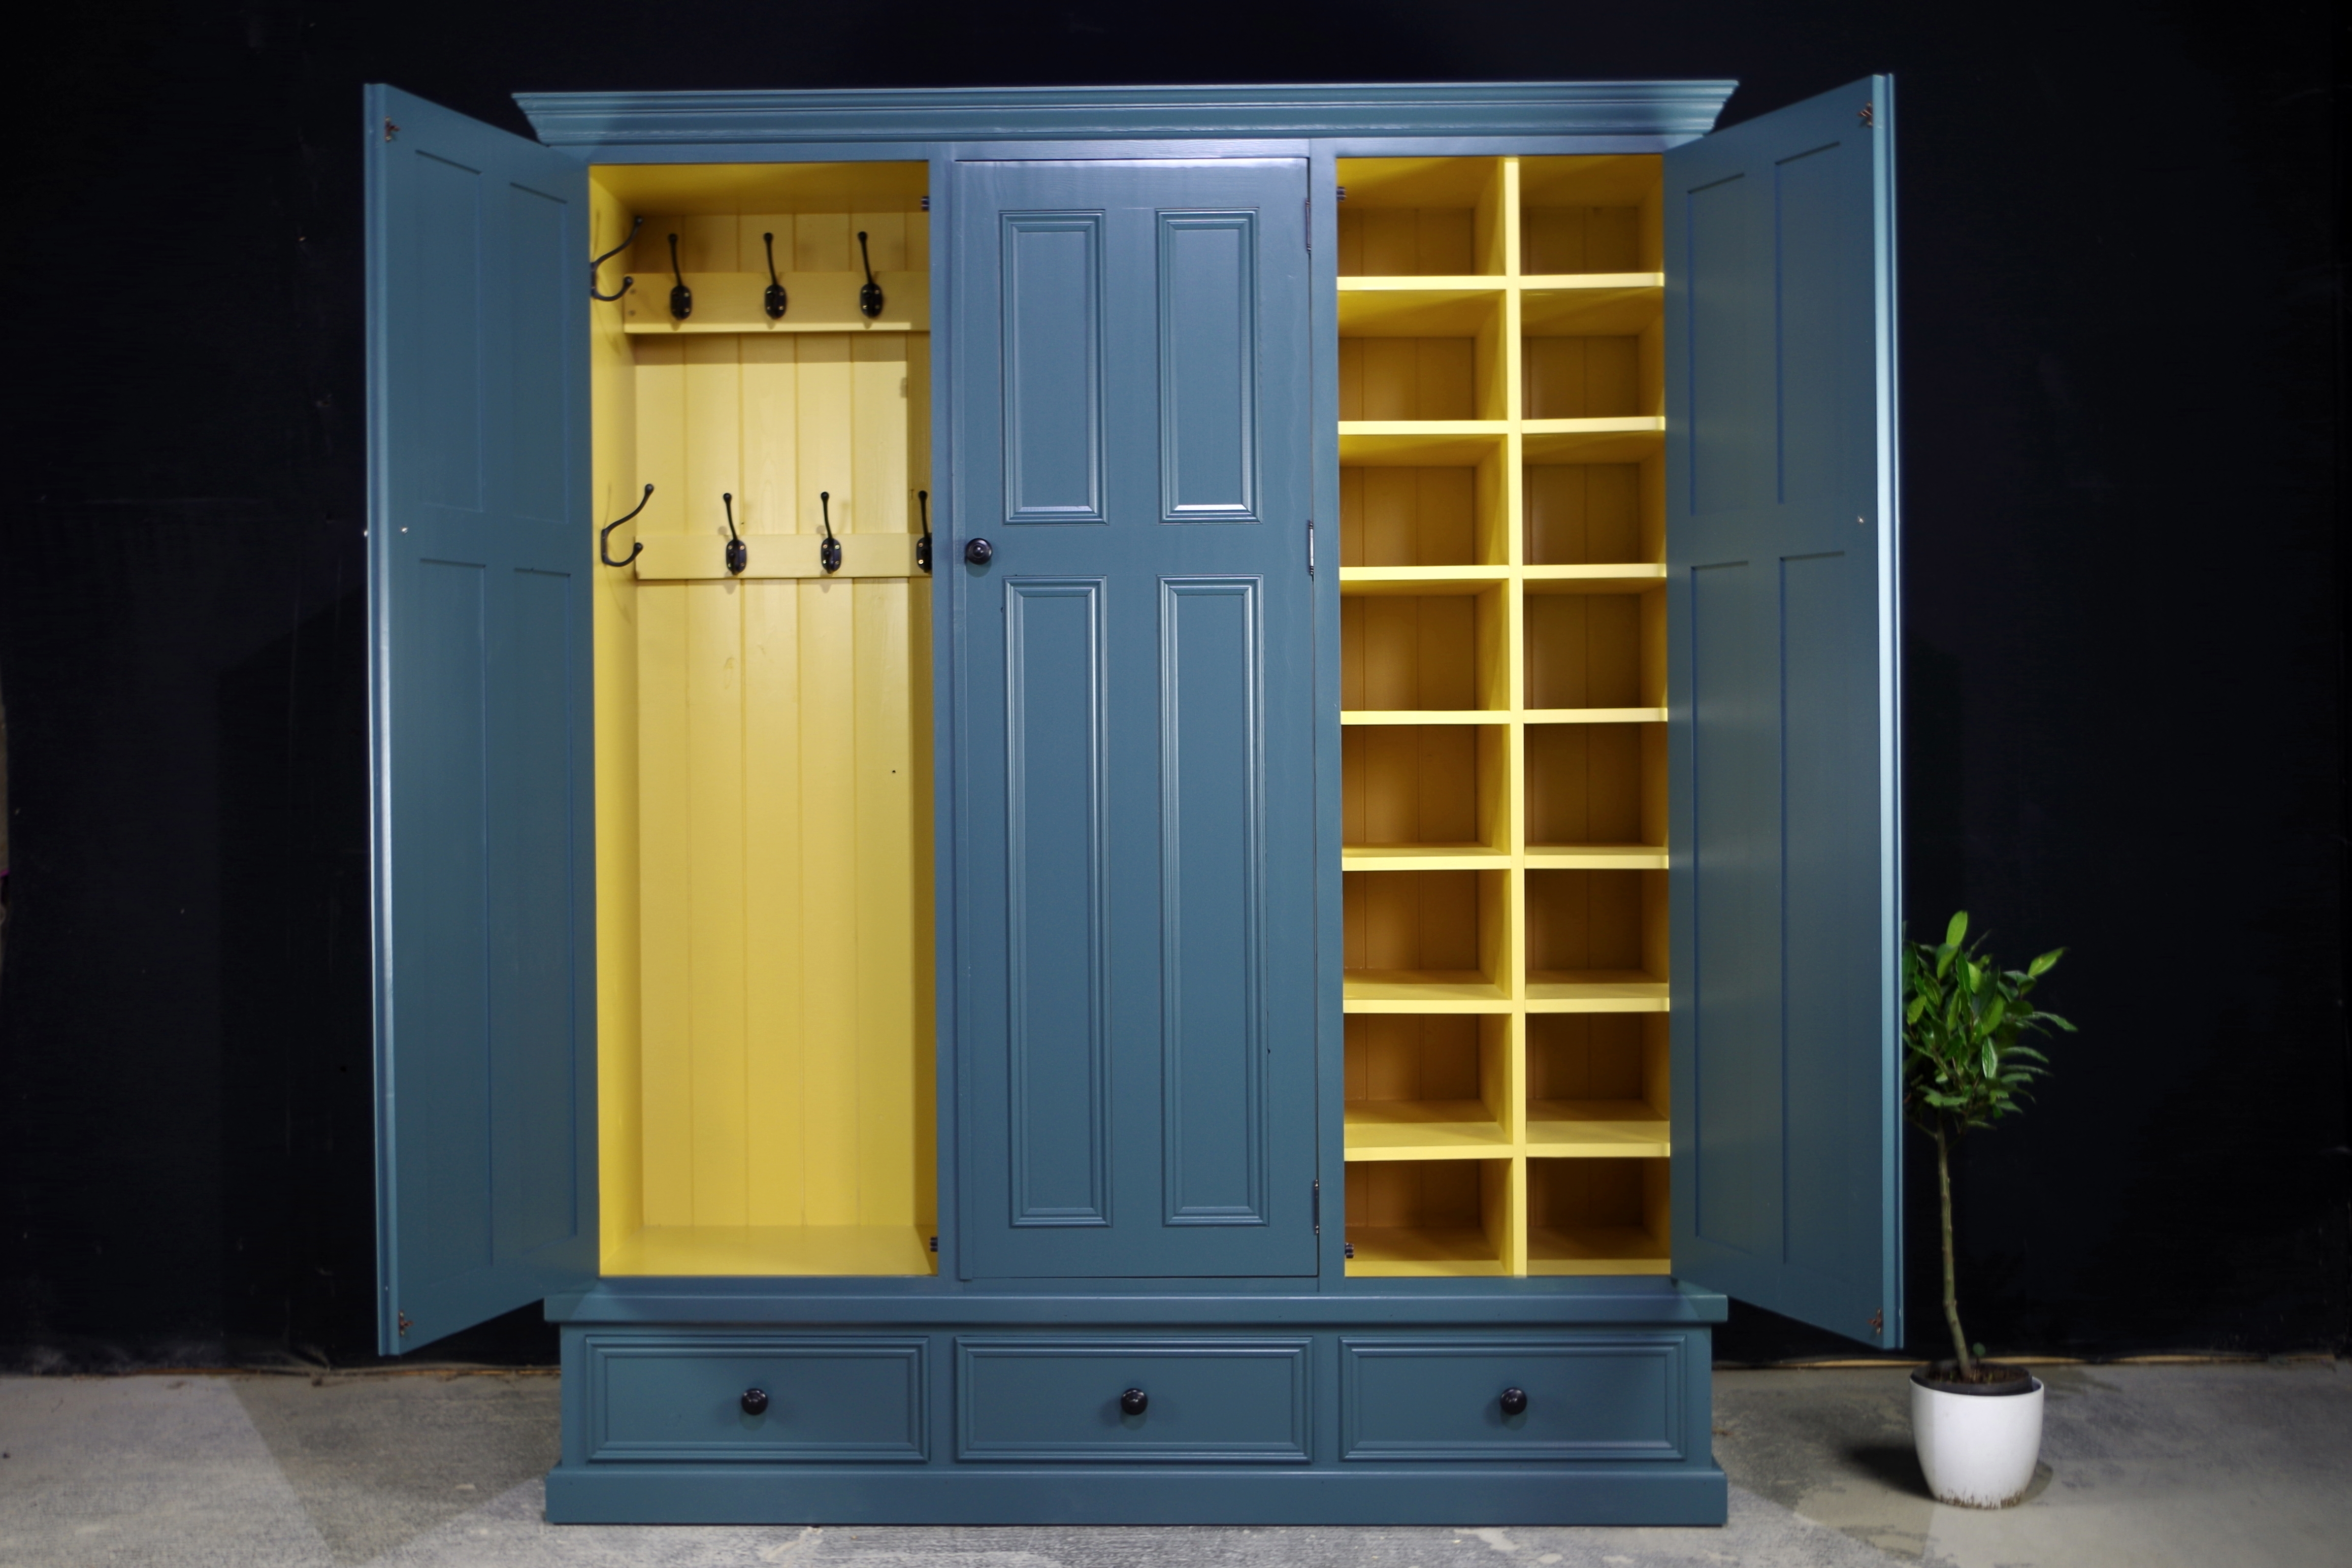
point(604, 540)
point(681, 298)
point(737, 555)
point(608, 256)
point(828, 554)
point(923, 545)
point(869, 299)
point(774, 301)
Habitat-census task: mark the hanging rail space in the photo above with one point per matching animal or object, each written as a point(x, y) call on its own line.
point(819, 302)
point(773, 557)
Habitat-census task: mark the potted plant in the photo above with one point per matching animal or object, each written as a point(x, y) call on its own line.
point(1965, 1065)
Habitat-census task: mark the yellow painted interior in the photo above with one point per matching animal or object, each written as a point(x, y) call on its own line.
point(763, 762)
point(1502, 574)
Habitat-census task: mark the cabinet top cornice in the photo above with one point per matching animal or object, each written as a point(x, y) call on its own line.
point(1675, 111)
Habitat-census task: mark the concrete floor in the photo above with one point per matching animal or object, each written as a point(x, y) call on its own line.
point(2202, 1466)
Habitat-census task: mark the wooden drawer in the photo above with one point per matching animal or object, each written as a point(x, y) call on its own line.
point(1218, 1400)
point(1618, 1397)
point(830, 1398)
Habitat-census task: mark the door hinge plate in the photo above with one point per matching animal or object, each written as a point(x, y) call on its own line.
point(1318, 1207)
point(1878, 1322)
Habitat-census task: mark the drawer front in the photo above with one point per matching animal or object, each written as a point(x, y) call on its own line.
point(1223, 1401)
point(1618, 1397)
point(830, 1398)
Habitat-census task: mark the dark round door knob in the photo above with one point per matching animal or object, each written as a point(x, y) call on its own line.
point(1515, 1402)
point(755, 1400)
point(979, 552)
point(1135, 1402)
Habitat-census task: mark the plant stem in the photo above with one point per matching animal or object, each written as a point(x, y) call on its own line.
point(1951, 1292)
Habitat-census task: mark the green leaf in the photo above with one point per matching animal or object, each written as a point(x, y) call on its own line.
point(2045, 963)
point(1957, 930)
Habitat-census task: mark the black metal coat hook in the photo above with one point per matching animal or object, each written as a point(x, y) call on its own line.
point(608, 256)
point(869, 299)
point(681, 298)
point(738, 554)
point(604, 540)
point(828, 554)
point(775, 300)
point(923, 545)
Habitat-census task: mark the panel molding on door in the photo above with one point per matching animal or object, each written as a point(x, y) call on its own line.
point(1054, 423)
point(1212, 889)
point(1057, 956)
point(1208, 366)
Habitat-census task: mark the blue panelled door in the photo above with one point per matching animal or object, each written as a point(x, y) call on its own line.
point(1134, 832)
point(479, 649)
point(1782, 535)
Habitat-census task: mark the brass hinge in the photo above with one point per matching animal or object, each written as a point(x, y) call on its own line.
point(1867, 120)
point(404, 1323)
point(1347, 1248)
point(390, 131)
point(927, 204)
point(935, 1244)
point(1878, 1322)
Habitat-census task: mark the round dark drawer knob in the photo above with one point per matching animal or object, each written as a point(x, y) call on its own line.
point(755, 1400)
point(1135, 1402)
point(979, 552)
point(1515, 1402)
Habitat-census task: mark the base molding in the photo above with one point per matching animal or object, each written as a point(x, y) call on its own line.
point(1469, 1496)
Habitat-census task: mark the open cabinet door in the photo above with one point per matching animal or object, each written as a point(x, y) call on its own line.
point(1782, 698)
point(478, 724)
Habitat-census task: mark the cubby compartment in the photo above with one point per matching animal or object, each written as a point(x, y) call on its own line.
point(1401, 376)
point(1428, 1086)
point(1582, 514)
point(1597, 1216)
point(1422, 217)
point(1424, 650)
point(1414, 792)
point(1429, 1217)
point(764, 736)
point(1398, 516)
point(1594, 928)
point(1596, 790)
point(1427, 939)
point(1585, 216)
point(1592, 645)
point(1589, 375)
point(1596, 1085)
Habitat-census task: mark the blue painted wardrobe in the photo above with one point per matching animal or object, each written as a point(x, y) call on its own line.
point(1135, 804)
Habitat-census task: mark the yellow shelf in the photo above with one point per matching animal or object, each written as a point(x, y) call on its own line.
point(800, 1250)
point(1599, 991)
point(1423, 1130)
point(1594, 304)
point(1418, 306)
point(1596, 858)
point(1595, 1128)
point(1421, 991)
point(816, 302)
point(1421, 582)
point(1627, 439)
point(1462, 715)
point(1419, 443)
point(1409, 1252)
point(1597, 1249)
point(1423, 857)
point(1583, 716)
point(1632, 577)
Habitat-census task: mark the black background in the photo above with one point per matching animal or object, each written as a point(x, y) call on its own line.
point(2121, 381)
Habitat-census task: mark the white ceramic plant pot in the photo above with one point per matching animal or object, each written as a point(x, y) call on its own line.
point(1978, 1449)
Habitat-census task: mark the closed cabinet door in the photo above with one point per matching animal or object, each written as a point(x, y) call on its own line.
point(1133, 678)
